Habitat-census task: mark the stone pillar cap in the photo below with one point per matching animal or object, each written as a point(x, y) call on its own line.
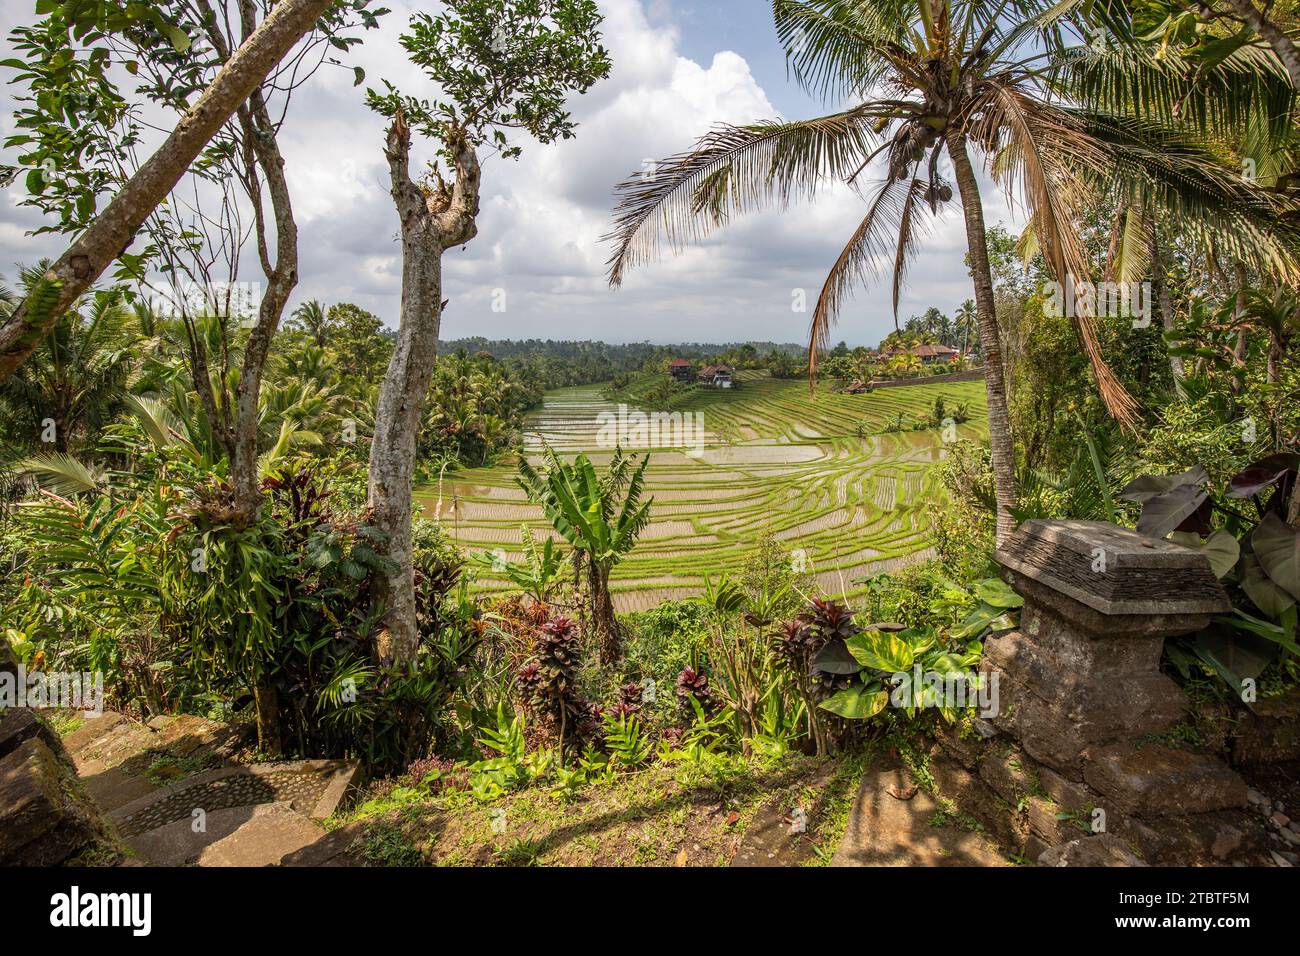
point(1114, 570)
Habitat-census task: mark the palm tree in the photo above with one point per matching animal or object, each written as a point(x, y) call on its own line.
point(1277, 313)
point(75, 382)
point(946, 77)
point(601, 517)
point(310, 317)
point(967, 322)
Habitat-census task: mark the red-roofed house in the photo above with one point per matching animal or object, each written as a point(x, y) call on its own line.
point(719, 376)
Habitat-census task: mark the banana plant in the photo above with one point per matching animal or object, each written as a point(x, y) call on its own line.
point(600, 516)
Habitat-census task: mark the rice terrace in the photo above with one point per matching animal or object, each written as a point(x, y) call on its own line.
point(629, 433)
point(817, 472)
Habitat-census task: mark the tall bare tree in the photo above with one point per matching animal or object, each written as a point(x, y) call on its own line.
point(501, 66)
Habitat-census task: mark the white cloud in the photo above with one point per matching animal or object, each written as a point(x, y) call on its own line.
point(542, 216)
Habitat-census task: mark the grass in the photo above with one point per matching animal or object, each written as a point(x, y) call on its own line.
point(818, 473)
point(167, 768)
point(664, 815)
point(64, 722)
point(838, 799)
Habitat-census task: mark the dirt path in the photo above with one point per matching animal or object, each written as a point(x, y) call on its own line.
point(896, 823)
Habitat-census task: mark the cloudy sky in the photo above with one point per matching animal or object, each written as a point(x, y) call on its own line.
point(679, 66)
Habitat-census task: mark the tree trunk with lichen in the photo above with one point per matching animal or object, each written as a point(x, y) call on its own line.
point(1281, 43)
point(262, 160)
point(432, 221)
point(995, 386)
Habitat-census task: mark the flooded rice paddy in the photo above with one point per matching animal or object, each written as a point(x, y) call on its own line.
point(816, 472)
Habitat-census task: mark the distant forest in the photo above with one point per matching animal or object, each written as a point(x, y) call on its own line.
point(558, 363)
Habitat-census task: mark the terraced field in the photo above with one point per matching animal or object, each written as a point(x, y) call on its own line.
point(771, 458)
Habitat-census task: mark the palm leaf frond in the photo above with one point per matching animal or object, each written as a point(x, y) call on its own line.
point(59, 472)
point(731, 170)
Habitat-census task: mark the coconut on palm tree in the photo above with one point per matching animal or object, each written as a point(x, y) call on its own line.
point(929, 83)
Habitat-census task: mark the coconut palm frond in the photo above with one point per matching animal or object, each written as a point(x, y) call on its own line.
point(1132, 247)
point(287, 439)
point(1174, 176)
point(155, 418)
point(1038, 137)
point(836, 49)
point(1220, 100)
point(730, 170)
point(58, 472)
point(1027, 244)
point(910, 225)
point(869, 245)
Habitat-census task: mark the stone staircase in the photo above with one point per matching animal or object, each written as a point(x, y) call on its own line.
point(173, 793)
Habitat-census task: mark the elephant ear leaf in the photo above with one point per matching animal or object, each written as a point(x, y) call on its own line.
point(1145, 487)
point(1236, 657)
point(858, 702)
point(835, 658)
point(984, 617)
point(998, 593)
point(1260, 588)
point(1277, 546)
point(1263, 474)
point(881, 651)
point(1221, 549)
point(1185, 508)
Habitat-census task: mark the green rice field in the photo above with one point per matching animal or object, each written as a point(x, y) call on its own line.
point(771, 458)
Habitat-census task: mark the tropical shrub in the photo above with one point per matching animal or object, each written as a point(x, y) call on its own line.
point(539, 575)
point(183, 609)
point(1255, 555)
point(855, 672)
point(549, 686)
point(692, 691)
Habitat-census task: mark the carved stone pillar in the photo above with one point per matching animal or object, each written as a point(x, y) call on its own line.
point(1079, 683)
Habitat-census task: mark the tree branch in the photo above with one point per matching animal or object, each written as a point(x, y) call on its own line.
point(112, 231)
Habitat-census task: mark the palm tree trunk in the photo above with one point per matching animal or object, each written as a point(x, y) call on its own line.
point(1239, 350)
point(995, 386)
point(1164, 301)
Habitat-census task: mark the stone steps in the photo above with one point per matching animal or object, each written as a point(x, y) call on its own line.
point(214, 812)
point(255, 835)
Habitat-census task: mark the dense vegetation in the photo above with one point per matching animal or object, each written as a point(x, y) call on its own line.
point(215, 509)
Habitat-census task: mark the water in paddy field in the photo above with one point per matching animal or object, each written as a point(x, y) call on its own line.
point(765, 459)
point(582, 419)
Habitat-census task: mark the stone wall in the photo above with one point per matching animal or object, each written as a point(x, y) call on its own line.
point(1077, 765)
point(45, 817)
